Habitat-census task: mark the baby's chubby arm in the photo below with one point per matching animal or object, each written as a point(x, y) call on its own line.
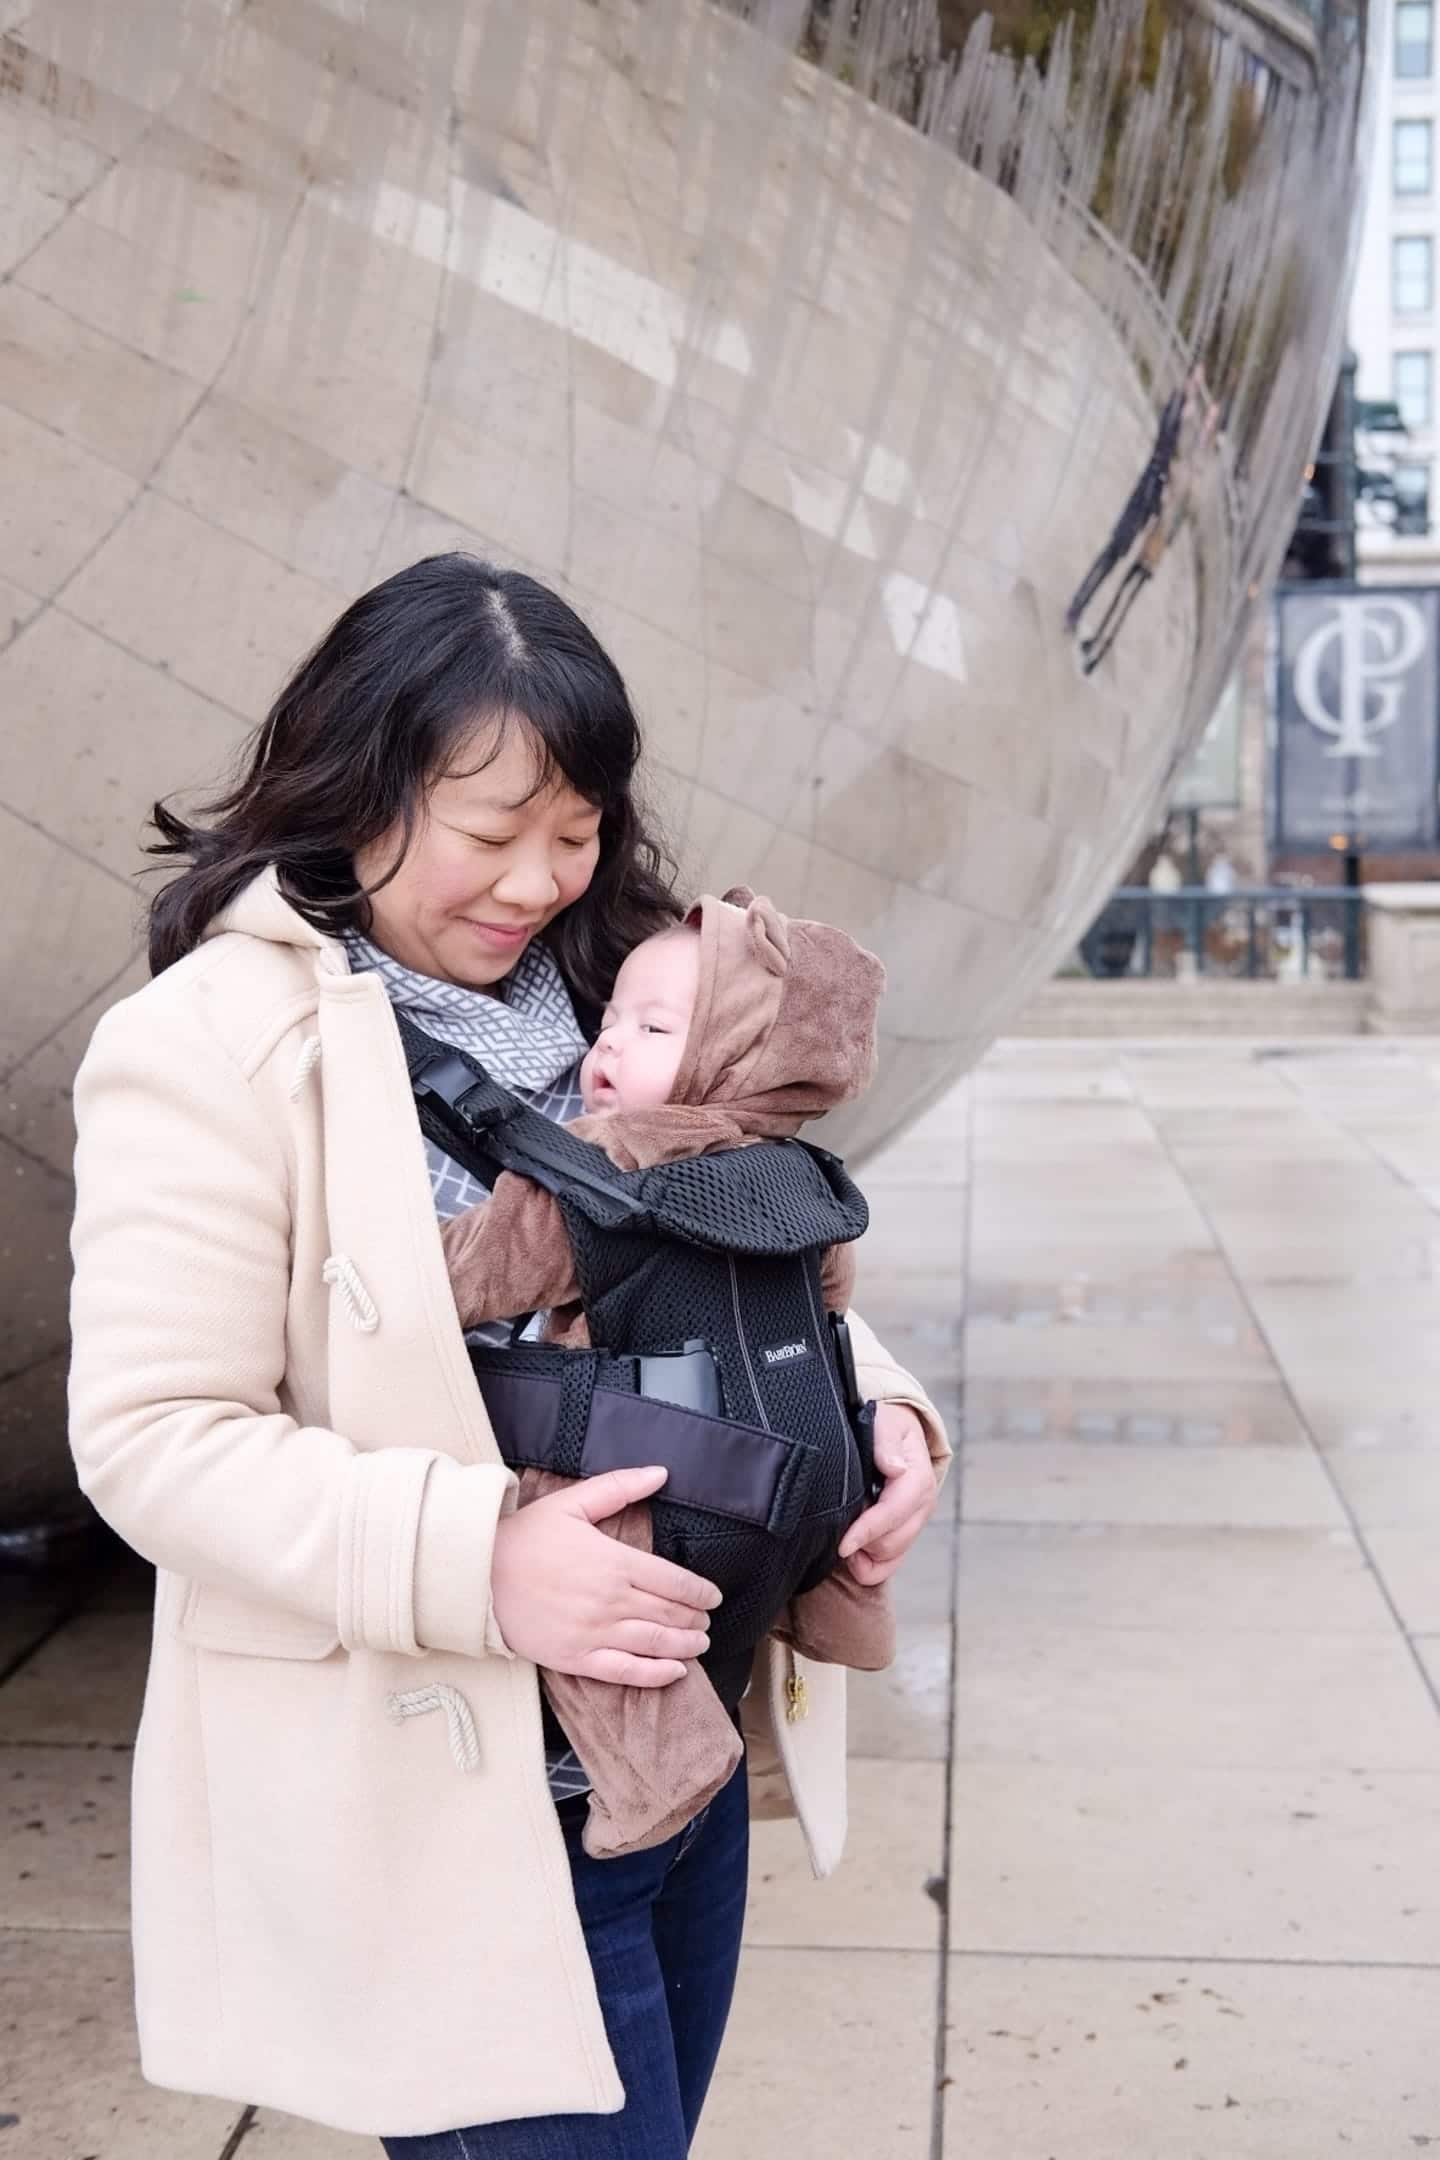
point(509, 1255)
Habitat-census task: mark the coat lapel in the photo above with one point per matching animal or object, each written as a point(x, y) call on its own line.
point(385, 1240)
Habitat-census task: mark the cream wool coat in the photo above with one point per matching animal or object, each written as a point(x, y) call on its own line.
point(351, 1893)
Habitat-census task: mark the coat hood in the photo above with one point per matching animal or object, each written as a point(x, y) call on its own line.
point(260, 910)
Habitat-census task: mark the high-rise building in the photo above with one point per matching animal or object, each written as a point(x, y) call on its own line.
point(1393, 311)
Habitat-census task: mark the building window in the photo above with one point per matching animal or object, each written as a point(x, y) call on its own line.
point(1410, 380)
point(1410, 158)
point(1412, 274)
point(1413, 34)
point(1412, 501)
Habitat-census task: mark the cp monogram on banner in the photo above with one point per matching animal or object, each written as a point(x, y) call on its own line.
point(1356, 719)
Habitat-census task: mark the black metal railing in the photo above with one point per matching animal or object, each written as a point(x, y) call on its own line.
point(1263, 931)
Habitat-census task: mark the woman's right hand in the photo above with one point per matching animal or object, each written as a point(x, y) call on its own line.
point(567, 1596)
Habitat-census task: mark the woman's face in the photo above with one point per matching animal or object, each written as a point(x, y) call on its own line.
point(491, 863)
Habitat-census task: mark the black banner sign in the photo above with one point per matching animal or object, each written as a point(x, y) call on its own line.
point(1356, 719)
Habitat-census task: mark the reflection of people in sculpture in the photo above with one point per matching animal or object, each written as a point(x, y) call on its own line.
point(1176, 506)
point(1153, 514)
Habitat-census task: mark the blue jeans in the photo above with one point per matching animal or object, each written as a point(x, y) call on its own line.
point(663, 1932)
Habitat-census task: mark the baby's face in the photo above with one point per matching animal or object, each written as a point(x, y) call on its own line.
point(636, 1055)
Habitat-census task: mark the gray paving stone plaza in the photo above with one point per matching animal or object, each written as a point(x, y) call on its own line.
point(1146, 1818)
point(815, 374)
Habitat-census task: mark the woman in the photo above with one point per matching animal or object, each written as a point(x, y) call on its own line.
point(359, 1889)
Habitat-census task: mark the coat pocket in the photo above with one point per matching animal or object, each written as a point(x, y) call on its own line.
point(208, 1618)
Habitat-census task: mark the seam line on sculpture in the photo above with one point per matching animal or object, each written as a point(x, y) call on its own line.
point(162, 667)
point(142, 481)
point(76, 202)
point(41, 1357)
point(565, 221)
point(37, 1161)
point(58, 840)
point(8, 1072)
point(432, 354)
point(147, 485)
point(22, 1657)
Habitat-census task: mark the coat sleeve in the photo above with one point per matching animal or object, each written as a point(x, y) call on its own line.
point(181, 1246)
point(510, 1255)
point(882, 1379)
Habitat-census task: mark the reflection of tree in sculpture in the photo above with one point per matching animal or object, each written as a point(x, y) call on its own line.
point(1174, 139)
point(1156, 50)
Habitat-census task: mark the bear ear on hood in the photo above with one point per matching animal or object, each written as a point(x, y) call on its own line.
point(738, 896)
point(768, 937)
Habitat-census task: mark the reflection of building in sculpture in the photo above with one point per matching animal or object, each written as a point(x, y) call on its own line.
point(295, 295)
point(1392, 310)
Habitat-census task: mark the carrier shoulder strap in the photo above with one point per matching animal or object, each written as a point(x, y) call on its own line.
point(487, 1129)
point(775, 1197)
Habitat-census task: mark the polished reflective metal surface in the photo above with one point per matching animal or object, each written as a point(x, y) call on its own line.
point(814, 351)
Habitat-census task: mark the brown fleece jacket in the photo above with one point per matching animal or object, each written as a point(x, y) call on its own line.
point(783, 1030)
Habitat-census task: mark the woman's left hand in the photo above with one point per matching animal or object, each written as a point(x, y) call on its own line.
point(878, 1540)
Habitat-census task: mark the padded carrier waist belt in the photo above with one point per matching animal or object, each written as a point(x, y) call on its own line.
point(745, 1508)
point(736, 1471)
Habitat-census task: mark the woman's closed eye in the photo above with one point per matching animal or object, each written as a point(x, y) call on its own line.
point(573, 841)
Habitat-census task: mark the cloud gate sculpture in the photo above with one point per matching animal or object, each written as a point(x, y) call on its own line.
point(914, 396)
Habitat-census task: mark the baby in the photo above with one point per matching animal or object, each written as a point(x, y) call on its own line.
point(732, 1027)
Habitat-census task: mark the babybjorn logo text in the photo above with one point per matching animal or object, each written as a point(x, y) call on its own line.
point(785, 1353)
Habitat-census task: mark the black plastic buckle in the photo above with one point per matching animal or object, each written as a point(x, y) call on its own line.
point(862, 1413)
point(862, 1422)
point(845, 1359)
point(450, 1081)
point(688, 1378)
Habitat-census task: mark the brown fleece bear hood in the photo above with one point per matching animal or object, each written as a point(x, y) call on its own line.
point(784, 1022)
point(783, 1030)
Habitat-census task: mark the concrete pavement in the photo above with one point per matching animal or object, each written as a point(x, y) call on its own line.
point(1146, 1842)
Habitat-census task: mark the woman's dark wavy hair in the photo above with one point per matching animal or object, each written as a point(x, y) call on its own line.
point(378, 712)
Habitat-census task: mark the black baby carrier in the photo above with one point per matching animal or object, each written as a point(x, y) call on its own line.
point(711, 1350)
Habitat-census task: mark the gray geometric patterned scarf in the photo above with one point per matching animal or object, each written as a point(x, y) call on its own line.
point(530, 1040)
point(526, 1037)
